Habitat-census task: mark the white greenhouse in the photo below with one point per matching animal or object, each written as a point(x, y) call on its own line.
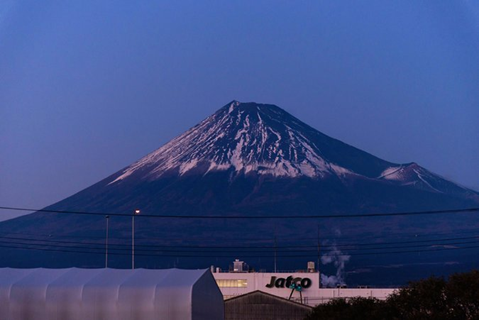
point(109, 294)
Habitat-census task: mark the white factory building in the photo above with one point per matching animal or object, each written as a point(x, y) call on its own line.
point(306, 285)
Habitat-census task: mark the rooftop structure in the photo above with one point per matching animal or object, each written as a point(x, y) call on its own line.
point(258, 305)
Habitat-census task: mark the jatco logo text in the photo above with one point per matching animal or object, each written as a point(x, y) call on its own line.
point(286, 283)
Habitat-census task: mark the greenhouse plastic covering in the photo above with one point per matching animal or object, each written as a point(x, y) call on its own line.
point(104, 294)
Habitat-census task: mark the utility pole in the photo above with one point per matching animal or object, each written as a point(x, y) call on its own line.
point(275, 249)
point(106, 241)
point(137, 211)
point(319, 254)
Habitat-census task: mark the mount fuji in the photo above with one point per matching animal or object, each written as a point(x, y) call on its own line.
point(264, 140)
point(246, 159)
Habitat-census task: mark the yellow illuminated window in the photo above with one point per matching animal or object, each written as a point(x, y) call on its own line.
point(232, 283)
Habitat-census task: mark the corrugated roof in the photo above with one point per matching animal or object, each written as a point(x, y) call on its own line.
point(110, 293)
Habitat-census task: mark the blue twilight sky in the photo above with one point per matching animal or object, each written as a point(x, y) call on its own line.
point(87, 87)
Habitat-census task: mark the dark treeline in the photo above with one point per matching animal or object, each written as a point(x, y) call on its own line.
point(456, 298)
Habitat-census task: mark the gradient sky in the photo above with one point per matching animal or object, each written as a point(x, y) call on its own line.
point(88, 87)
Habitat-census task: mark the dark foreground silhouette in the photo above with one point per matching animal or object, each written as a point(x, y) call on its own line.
point(434, 298)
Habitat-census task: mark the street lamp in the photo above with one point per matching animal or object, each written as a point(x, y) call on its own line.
point(137, 211)
point(106, 241)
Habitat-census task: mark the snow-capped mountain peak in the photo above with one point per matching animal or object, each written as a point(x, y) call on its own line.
point(414, 175)
point(243, 137)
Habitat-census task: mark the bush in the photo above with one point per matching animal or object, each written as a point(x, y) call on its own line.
point(424, 299)
point(432, 298)
point(355, 308)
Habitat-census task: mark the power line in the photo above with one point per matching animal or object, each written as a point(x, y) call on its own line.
point(203, 251)
point(285, 239)
point(40, 247)
point(349, 247)
point(330, 216)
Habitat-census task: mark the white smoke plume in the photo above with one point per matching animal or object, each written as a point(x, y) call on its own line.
point(336, 257)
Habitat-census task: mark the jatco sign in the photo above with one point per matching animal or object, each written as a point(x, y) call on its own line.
point(286, 283)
